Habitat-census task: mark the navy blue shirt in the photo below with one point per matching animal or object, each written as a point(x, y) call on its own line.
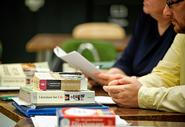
point(145, 48)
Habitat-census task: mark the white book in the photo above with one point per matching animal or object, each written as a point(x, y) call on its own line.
point(76, 60)
point(56, 97)
point(12, 75)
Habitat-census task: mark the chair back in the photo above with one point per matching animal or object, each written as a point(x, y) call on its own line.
point(98, 30)
point(93, 50)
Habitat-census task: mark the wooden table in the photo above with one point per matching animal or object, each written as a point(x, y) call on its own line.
point(136, 116)
point(28, 123)
point(8, 110)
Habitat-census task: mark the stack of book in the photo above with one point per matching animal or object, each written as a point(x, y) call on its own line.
point(55, 88)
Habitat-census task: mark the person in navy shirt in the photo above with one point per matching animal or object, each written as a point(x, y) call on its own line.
point(152, 36)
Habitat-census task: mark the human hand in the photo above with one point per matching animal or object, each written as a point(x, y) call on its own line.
point(104, 78)
point(124, 91)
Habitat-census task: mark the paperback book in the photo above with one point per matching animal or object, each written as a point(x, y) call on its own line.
point(56, 97)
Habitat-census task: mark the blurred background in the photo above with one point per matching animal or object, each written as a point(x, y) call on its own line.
point(21, 20)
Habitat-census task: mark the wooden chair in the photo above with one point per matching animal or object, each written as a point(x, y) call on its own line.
point(98, 30)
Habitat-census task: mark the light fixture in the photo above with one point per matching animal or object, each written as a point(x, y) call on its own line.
point(34, 5)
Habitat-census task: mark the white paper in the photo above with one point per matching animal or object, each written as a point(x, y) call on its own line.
point(76, 60)
point(9, 88)
point(51, 121)
point(104, 100)
point(44, 121)
point(20, 102)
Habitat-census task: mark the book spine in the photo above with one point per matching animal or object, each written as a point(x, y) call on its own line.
point(25, 95)
point(13, 82)
point(44, 85)
point(87, 121)
point(71, 85)
point(62, 97)
point(83, 117)
point(47, 97)
point(49, 85)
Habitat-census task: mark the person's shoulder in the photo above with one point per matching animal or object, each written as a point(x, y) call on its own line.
point(142, 15)
point(144, 20)
point(179, 41)
point(180, 38)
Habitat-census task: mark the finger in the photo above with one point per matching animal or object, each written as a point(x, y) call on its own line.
point(106, 76)
point(118, 101)
point(116, 95)
point(109, 89)
point(103, 76)
point(127, 80)
point(113, 89)
point(114, 82)
point(102, 82)
point(117, 76)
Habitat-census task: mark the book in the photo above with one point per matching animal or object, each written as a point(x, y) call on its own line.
point(19, 74)
point(12, 75)
point(56, 97)
point(59, 81)
point(51, 121)
point(77, 61)
point(82, 117)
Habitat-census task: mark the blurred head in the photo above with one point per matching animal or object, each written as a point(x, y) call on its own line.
point(154, 7)
point(175, 9)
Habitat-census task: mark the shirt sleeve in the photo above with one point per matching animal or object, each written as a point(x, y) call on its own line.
point(167, 72)
point(163, 89)
point(167, 99)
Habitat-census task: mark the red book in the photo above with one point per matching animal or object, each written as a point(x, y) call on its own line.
point(81, 117)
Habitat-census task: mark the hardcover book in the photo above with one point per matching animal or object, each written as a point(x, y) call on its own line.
point(59, 81)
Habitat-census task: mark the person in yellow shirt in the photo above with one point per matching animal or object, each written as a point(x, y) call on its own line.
point(164, 88)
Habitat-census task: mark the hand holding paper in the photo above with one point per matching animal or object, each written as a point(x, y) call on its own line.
point(78, 61)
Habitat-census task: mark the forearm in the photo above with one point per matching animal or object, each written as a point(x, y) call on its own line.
point(115, 70)
point(167, 99)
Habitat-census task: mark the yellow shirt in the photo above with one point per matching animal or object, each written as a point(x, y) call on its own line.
point(164, 88)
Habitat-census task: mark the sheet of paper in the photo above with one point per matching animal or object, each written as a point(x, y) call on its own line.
point(51, 121)
point(20, 102)
point(9, 88)
point(104, 100)
point(76, 60)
